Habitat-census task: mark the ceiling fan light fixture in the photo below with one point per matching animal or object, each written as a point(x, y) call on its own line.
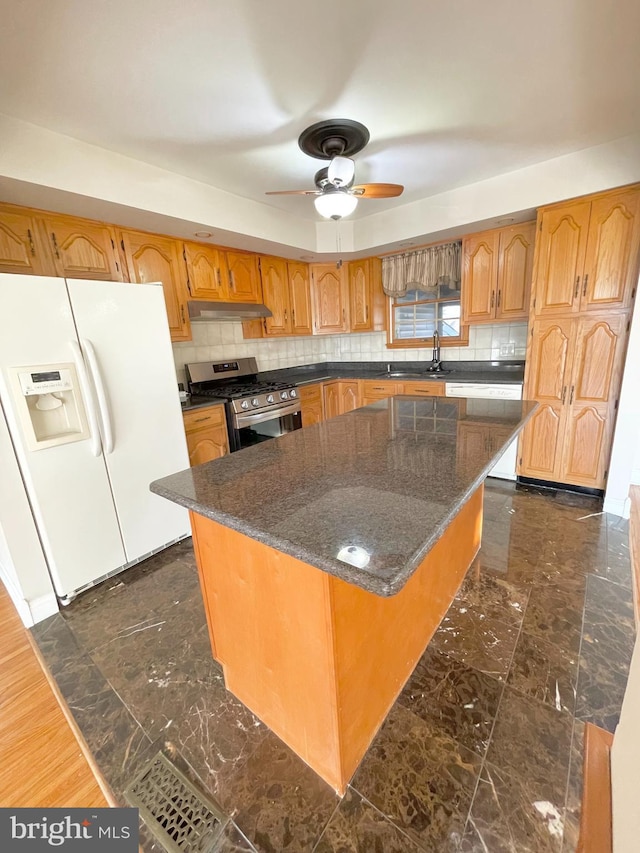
point(335, 205)
point(341, 171)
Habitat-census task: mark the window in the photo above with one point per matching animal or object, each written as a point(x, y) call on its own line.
point(424, 291)
point(418, 315)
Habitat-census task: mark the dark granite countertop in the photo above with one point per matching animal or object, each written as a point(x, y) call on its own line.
point(386, 479)
point(457, 371)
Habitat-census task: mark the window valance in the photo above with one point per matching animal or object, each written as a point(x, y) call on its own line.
point(423, 269)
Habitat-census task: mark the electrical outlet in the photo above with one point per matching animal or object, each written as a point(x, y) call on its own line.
point(508, 348)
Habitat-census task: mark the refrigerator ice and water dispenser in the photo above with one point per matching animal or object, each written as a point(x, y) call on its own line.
point(50, 405)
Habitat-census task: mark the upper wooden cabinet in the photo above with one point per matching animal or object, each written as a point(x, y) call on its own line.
point(244, 277)
point(207, 272)
point(497, 268)
point(366, 298)
point(21, 249)
point(82, 249)
point(275, 293)
point(587, 254)
point(573, 370)
point(152, 258)
point(37, 243)
point(330, 298)
point(300, 298)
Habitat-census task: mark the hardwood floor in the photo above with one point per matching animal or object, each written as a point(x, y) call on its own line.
point(44, 760)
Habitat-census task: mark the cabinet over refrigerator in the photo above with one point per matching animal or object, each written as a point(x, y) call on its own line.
point(89, 397)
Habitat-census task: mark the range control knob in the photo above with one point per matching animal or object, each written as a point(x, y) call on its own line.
point(284, 395)
point(293, 393)
point(244, 404)
point(255, 402)
point(269, 398)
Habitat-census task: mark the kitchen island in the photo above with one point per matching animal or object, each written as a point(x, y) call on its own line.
point(329, 556)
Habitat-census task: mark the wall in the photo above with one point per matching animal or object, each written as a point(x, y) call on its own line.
point(216, 341)
point(624, 467)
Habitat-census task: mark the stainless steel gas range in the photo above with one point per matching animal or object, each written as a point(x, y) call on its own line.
point(256, 410)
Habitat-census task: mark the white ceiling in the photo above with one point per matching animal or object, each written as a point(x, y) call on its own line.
point(452, 92)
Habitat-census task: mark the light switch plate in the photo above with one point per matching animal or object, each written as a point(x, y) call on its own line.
point(508, 348)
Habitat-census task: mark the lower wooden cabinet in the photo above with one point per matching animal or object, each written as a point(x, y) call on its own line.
point(340, 397)
point(206, 431)
point(372, 390)
point(312, 403)
point(574, 371)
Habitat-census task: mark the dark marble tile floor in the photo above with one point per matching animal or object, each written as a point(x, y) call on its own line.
point(483, 748)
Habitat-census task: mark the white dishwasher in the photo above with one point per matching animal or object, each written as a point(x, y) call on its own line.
point(505, 467)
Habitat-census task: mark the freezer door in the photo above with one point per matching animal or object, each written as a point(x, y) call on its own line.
point(67, 484)
point(124, 335)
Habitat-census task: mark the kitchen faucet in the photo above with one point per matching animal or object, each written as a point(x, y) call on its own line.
point(436, 363)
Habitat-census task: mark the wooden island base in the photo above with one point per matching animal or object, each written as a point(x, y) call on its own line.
point(318, 660)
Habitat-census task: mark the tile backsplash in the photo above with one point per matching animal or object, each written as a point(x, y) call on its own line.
point(216, 341)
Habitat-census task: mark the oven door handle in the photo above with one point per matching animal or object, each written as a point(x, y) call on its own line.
point(269, 415)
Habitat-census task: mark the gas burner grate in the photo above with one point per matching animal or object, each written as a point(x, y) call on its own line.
point(179, 815)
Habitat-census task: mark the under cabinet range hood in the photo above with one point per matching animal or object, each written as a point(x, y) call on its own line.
point(202, 311)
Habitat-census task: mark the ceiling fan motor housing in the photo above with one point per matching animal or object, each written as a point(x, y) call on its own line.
point(333, 138)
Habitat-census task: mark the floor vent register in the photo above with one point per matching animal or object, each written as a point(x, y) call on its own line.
point(179, 815)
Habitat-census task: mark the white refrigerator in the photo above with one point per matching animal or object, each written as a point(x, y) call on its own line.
point(89, 394)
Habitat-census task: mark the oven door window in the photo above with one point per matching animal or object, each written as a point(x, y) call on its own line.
point(264, 430)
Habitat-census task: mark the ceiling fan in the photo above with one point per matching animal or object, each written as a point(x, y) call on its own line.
point(336, 194)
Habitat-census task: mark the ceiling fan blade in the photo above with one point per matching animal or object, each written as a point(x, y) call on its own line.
point(294, 192)
point(377, 190)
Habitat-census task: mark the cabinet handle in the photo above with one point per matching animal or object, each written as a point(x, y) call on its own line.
point(584, 289)
point(344, 316)
point(31, 246)
point(564, 394)
point(182, 311)
point(55, 245)
point(493, 297)
point(573, 387)
point(285, 315)
point(366, 313)
point(232, 284)
point(499, 295)
point(219, 277)
point(575, 295)
point(266, 328)
point(189, 286)
point(200, 420)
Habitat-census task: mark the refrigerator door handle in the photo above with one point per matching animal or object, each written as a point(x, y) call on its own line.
point(101, 394)
point(94, 429)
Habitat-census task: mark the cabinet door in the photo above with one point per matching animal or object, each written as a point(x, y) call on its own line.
point(21, 250)
point(206, 432)
point(515, 267)
point(329, 299)
point(82, 249)
point(595, 385)
point(349, 397)
point(611, 265)
point(549, 365)
point(299, 298)
point(151, 258)
point(275, 293)
point(207, 273)
point(423, 389)
point(244, 277)
point(360, 295)
point(480, 270)
point(332, 401)
point(312, 404)
point(560, 256)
